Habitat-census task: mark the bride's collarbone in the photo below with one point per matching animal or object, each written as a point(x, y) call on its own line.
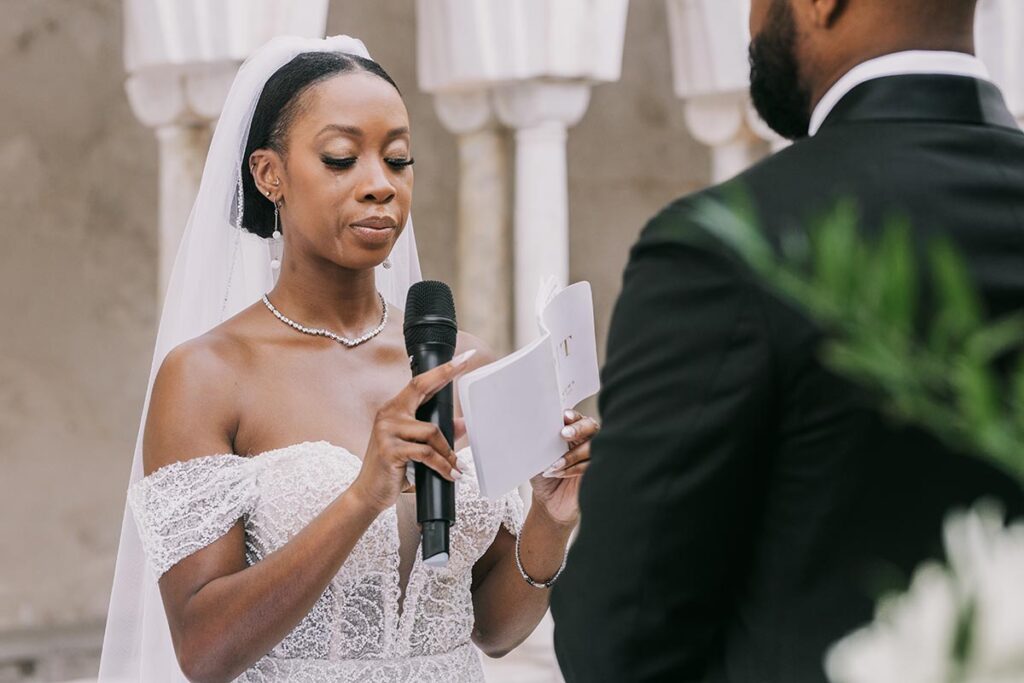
point(275, 417)
point(304, 395)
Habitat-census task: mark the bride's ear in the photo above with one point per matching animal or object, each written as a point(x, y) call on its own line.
point(265, 166)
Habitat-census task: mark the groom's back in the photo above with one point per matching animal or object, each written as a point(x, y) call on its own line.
point(852, 502)
point(744, 505)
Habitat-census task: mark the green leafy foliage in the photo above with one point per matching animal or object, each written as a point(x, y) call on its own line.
point(937, 373)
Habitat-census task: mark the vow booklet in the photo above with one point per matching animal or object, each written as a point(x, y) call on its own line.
point(513, 407)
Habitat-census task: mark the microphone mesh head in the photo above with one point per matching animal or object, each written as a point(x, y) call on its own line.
point(434, 299)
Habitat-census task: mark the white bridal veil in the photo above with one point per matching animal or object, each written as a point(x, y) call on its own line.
point(219, 270)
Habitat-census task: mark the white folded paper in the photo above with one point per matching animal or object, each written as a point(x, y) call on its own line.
point(513, 407)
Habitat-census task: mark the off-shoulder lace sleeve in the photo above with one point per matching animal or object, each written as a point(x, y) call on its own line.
point(512, 511)
point(187, 505)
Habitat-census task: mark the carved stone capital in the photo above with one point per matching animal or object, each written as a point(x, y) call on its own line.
point(465, 112)
point(529, 104)
point(189, 95)
point(709, 40)
point(473, 44)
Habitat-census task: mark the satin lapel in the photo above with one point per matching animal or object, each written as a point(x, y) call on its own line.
point(935, 98)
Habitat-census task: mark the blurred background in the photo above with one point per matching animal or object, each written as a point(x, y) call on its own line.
point(561, 124)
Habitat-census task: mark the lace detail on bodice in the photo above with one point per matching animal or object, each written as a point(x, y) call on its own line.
point(355, 631)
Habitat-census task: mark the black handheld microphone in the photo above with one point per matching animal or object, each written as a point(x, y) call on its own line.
point(430, 333)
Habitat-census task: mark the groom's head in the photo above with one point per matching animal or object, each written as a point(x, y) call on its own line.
point(800, 48)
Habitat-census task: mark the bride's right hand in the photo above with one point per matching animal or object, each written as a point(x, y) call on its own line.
point(398, 438)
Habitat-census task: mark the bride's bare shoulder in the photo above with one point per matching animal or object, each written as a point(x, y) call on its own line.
point(193, 409)
point(210, 357)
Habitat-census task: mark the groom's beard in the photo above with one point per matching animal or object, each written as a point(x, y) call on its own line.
point(778, 96)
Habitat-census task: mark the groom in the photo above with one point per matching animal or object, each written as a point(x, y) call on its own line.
point(744, 505)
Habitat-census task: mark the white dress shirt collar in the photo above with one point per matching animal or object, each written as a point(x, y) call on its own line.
point(897, 64)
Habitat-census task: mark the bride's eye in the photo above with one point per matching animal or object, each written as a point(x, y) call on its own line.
point(399, 164)
point(342, 163)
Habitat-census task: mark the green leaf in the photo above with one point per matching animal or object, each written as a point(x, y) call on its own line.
point(864, 295)
point(958, 306)
point(1014, 450)
point(796, 248)
point(870, 362)
point(838, 254)
point(738, 232)
point(977, 392)
point(1017, 397)
point(963, 637)
point(996, 339)
point(895, 257)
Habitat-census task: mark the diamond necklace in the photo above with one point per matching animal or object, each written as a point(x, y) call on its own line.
point(320, 332)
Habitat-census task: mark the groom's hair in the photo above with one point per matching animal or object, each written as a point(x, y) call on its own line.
point(279, 104)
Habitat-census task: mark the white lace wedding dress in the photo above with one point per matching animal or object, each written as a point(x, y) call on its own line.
point(362, 628)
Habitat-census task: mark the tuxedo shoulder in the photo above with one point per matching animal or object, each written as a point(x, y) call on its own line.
point(678, 235)
point(778, 192)
point(682, 223)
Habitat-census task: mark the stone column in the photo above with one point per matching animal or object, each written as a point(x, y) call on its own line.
point(541, 113)
point(181, 108)
point(1000, 40)
point(181, 57)
point(709, 43)
point(537, 61)
point(182, 150)
point(722, 122)
point(483, 257)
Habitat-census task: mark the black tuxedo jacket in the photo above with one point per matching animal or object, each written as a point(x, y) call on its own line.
point(745, 506)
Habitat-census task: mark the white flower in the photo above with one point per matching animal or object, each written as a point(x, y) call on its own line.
point(988, 560)
point(910, 640)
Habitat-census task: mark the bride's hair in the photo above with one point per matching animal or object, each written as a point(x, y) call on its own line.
point(276, 110)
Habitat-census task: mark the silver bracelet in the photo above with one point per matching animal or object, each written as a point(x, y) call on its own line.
point(529, 579)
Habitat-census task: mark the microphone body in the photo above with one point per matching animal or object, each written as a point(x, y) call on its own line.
point(435, 495)
point(430, 334)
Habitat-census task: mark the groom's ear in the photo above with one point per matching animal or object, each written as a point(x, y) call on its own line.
point(821, 14)
point(265, 166)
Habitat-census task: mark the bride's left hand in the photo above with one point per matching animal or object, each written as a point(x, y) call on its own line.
point(558, 487)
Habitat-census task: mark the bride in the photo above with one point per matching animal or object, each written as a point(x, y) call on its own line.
point(270, 532)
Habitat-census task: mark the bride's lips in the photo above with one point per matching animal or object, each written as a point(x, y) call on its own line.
point(375, 230)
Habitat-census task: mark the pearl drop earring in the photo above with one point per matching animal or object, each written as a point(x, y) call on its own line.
point(275, 245)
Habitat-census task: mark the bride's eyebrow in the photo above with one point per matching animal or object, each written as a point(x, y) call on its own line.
point(351, 131)
point(356, 132)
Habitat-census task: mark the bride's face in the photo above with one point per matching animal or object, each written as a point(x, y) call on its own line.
point(347, 177)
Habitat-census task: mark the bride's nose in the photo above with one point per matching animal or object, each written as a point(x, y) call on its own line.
point(375, 184)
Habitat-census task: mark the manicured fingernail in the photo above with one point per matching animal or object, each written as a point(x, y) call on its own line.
point(556, 469)
point(570, 415)
point(456, 475)
point(568, 432)
point(462, 359)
